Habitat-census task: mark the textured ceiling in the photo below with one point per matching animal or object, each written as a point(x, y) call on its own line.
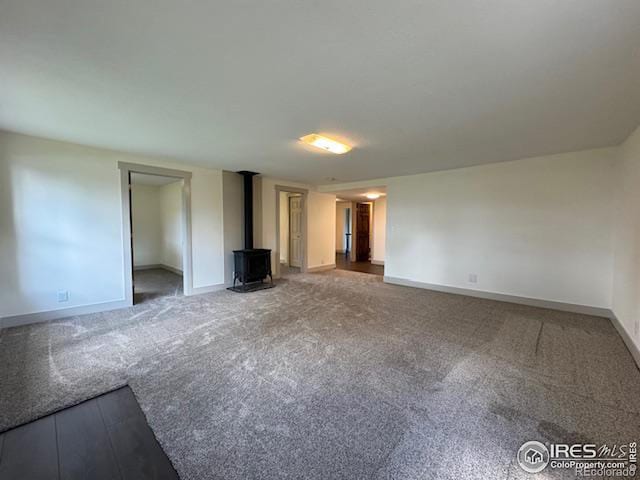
point(359, 194)
point(416, 86)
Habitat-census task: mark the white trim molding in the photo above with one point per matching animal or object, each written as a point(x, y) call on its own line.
point(377, 262)
point(321, 268)
point(126, 169)
point(50, 315)
point(209, 288)
point(626, 338)
point(502, 297)
point(37, 317)
point(305, 200)
point(168, 268)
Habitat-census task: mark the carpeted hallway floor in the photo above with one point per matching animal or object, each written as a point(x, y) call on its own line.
point(336, 375)
point(151, 283)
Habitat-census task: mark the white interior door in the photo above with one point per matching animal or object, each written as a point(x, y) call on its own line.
point(295, 231)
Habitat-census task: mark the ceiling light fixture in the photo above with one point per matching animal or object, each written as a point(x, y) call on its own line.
point(372, 196)
point(325, 143)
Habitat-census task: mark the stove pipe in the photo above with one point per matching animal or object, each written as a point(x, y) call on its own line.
point(248, 208)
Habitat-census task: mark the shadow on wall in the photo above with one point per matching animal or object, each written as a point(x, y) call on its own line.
point(61, 245)
point(171, 224)
point(10, 278)
point(38, 233)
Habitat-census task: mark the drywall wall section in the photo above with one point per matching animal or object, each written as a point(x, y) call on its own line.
point(379, 230)
point(170, 197)
point(146, 225)
point(233, 214)
point(61, 226)
point(157, 224)
point(341, 226)
point(284, 227)
point(537, 228)
point(206, 227)
point(626, 279)
point(321, 227)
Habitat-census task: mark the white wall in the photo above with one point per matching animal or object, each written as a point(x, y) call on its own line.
point(61, 228)
point(157, 224)
point(538, 228)
point(379, 230)
point(171, 224)
point(341, 239)
point(284, 227)
point(626, 280)
point(233, 203)
point(146, 225)
point(207, 236)
point(321, 229)
point(320, 222)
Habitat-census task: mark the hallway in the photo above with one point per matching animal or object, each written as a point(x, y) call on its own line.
point(343, 263)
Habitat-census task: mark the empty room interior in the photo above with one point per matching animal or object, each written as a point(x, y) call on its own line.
point(157, 238)
point(319, 240)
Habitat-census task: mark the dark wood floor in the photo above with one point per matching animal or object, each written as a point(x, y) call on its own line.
point(103, 438)
point(343, 263)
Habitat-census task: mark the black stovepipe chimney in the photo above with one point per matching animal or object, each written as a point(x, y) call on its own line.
point(248, 208)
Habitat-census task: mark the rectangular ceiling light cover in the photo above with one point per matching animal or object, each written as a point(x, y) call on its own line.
point(325, 143)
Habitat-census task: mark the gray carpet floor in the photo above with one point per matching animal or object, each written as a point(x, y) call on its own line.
point(336, 375)
point(152, 283)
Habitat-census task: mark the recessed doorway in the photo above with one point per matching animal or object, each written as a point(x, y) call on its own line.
point(291, 207)
point(157, 236)
point(361, 229)
point(156, 225)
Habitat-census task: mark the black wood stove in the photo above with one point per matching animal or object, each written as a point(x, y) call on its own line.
point(251, 265)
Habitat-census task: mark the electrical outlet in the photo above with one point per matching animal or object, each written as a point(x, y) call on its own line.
point(473, 278)
point(63, 296)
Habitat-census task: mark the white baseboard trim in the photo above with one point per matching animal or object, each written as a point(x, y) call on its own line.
point(321, 268)
point(146, 267)
point(27, 318)
point(377, 262)
point(37, 317)
point(158, 265)
point(502, 297)
point(209, 288)
point(626, 338)
point(177, 271)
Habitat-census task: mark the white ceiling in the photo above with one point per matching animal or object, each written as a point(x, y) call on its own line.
point(415, 85)
point(155, 180)
point(359, 194)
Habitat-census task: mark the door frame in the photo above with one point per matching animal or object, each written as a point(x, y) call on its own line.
point(355, 231)
point(305, 195)
point(126, 169)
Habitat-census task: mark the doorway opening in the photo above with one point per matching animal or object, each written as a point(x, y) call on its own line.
point(157, 237)
point(156, 232)
point(291, 208)
point(360, 230)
